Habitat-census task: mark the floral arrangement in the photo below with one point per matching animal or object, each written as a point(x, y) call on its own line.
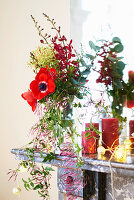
point(59, 84)
point(57, 90)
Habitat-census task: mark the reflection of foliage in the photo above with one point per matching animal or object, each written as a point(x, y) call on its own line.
point(110, 72)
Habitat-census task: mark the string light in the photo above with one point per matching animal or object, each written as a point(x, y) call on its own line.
point(120, 153)
point(101, 151)
point(22, 169)
point(16, 190)
point(127, 144)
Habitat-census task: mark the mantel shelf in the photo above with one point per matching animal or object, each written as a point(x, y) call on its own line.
point(90, 163)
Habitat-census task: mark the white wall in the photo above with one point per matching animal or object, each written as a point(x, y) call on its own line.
point(18, 37)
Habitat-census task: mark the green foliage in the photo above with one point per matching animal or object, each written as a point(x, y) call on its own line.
point(112, 69)
point(116, 40)
point(36, 173)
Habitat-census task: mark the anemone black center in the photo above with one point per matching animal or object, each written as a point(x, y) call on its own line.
point(42, 86)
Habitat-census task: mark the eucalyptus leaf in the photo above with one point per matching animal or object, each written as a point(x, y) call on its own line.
point(92, 46)
point(119, 48)
point(75, 82)
point(89, 56)
point(86, 72)
point(119, 65)
point(118, 83)
point(82, 80)
point(112, 59)
point(116, 39)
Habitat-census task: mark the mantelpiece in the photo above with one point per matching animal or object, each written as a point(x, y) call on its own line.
point(99, 173)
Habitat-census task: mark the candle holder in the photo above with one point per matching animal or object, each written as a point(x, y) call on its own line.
point(110, 134)
point(90, 139)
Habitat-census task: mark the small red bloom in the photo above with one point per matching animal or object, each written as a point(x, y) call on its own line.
point(28, 96)
point(130, 103)
point(131, 76)
point(43, 84)
point(42, 41)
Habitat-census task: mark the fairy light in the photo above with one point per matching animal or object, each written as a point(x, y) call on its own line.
point(127, 144)
point(120, 153)
point(22, 169)
point(16, 190)
point(101, 151)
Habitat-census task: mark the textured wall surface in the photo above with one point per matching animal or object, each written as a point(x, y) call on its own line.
point(123, 187)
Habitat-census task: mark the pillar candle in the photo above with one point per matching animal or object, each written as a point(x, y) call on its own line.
point(110, 132)
point(131, 131)
point(130, 102)
point(96, 125)
point(90, 143)
point(131, 76)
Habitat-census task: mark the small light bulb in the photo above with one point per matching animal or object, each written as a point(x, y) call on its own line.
point(16, 190)
point(22, 169)
point(127, 143)
point(101, 151)
point(120, 153)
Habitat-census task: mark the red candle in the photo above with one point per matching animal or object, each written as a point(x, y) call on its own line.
point(91, 142)
point(131, 76)
point(131, 131)
point(110, 132)
point(130, 103)
point(96, 125)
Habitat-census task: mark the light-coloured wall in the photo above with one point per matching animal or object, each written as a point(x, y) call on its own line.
point(18, 37)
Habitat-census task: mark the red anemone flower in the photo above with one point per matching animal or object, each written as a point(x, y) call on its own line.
point(28, 96)
point(43, 84)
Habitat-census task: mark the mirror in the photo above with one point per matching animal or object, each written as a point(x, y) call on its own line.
point(93, 20)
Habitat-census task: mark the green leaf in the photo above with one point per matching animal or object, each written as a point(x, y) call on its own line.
point(93, 46)
point(74, 81)
point(25, 185)
point(29, 179)
point(24, 181)
point(87, 134)
point(87, 128)
point(119, 48)
point(41, 154)
point(119, 65)
point(49, 157)
point(36, 187)
point(117, 83)
point(79, 95)
point(82, 80)
point(32, 184)
point(116, 39)
point(112, 59)
point(37, 171)
point(49, 169)
point(89, 56)
point(86, 72)
point(28, 186)
point(119, 58)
